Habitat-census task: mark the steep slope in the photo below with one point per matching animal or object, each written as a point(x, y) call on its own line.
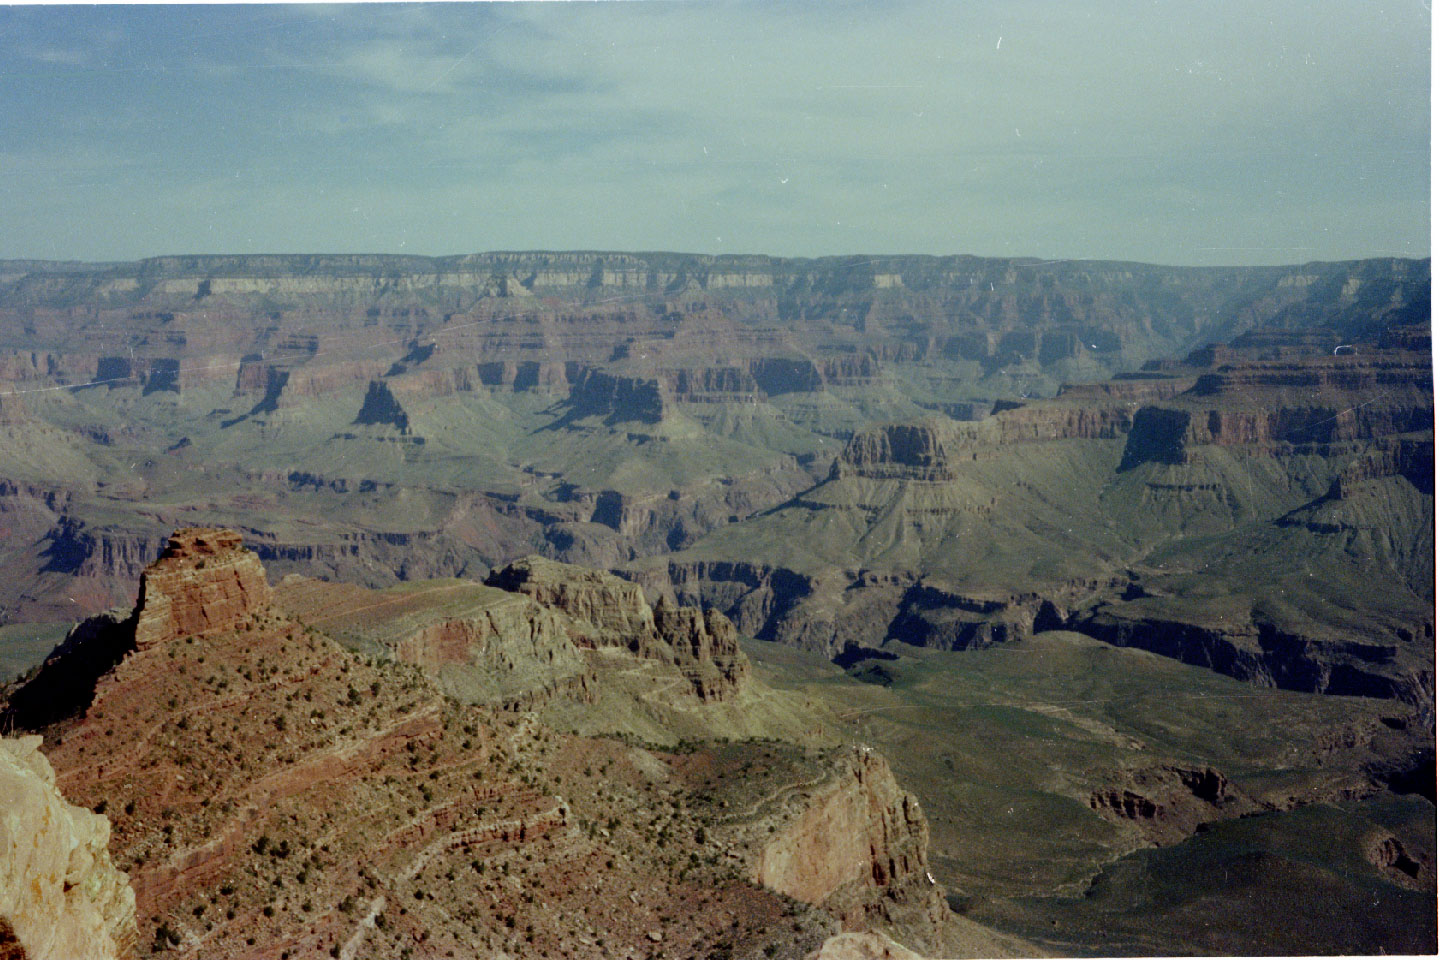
point(272, 791)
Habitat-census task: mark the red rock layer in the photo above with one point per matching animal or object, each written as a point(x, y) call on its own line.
point(858, 849)
point(272, 793)
point(203, 582)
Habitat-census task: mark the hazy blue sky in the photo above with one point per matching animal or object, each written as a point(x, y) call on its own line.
point(1197, 133)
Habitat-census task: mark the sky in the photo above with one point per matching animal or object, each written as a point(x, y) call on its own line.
point(1218, 132)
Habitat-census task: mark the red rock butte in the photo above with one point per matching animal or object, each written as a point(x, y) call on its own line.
point(204, 581)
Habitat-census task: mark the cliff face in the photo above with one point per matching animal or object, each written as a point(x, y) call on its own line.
point(834, 610)
point(1243, 402)
point(1305, 400)
point(611, 612)
point(899, 451)
point(1072, 511)
point(615, 610)
point(934, 450)
point(1259, 652)
point(203, 582)
point(99, 553)
point(857, 847)
point(519, 319)
point(1274, 406)
point(60, 896)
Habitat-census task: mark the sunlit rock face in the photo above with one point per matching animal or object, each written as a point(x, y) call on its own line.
point(60, 896)
point(203, 582)
point(611, 612)
point(859, 849)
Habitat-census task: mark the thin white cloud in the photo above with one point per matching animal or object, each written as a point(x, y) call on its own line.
point(60, 55)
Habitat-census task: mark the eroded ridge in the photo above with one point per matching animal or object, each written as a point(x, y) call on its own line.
point(272, 791)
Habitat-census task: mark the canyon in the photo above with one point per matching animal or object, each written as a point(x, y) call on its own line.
point(743, 502)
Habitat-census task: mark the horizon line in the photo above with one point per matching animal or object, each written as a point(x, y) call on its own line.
point(1026, 260)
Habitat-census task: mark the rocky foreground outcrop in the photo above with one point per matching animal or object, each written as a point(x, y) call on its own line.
point(61, 898)
point(272, 792)
point(204, 582)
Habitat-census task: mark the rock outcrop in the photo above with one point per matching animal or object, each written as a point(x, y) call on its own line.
point(272, 792)
point(204, 582)
point(614, 609)
point(1275, 407)
point(857, 847)
point(1168, 803)
point(481, 645)
point(918, 451)
point(60, 896)
point(934, 450)
point(611, 612)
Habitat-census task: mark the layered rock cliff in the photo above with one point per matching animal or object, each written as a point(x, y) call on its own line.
point(612, 612)
point(1256, 650)
point(1277, 406)
point(204, 582)
point(852, 842)
point(61, 898)
point(480, 644)
point(933, 449)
